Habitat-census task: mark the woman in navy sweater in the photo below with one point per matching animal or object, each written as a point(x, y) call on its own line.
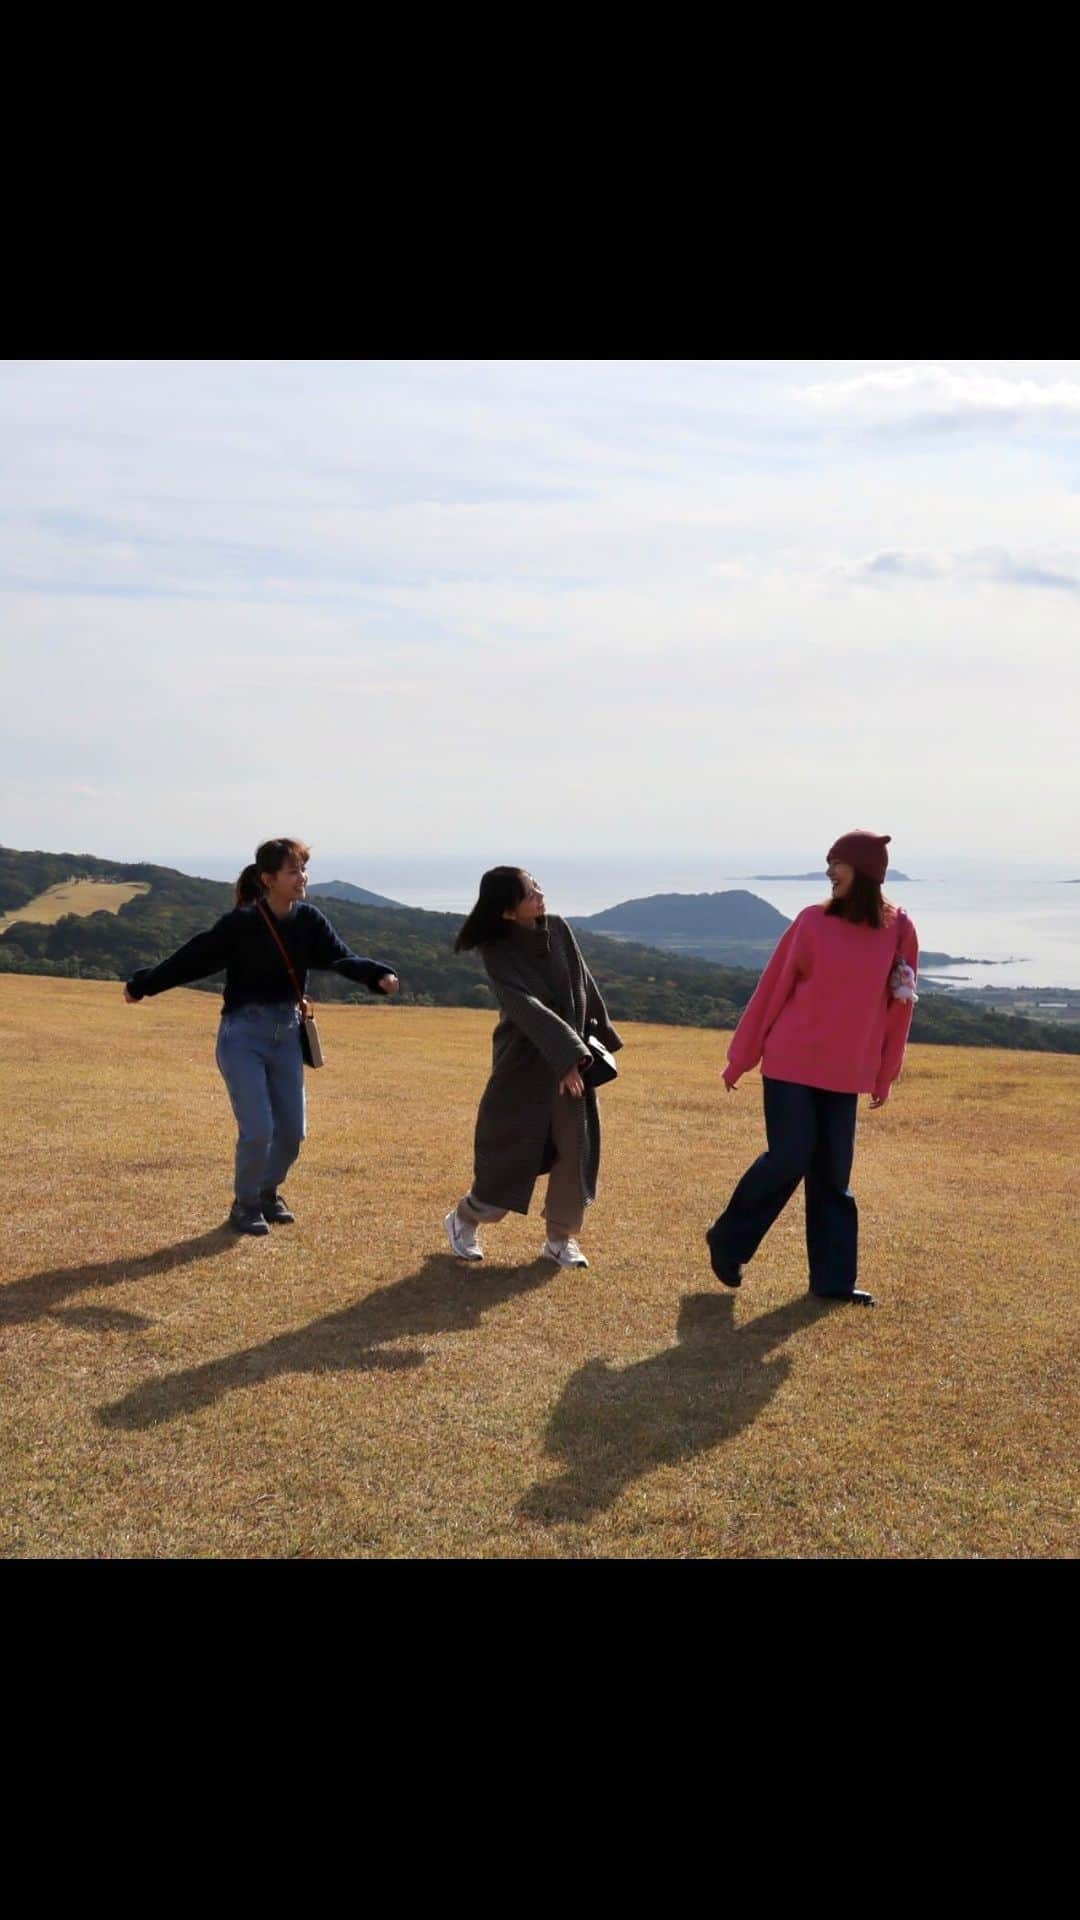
point(258, 1050)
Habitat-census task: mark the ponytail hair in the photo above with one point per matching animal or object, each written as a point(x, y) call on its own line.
point(248, 887)
point(501, 889)
point(270, 857)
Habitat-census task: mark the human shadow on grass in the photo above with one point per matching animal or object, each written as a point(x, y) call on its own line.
point(441, 1297)
point(614, 1424)
point(39, 1295)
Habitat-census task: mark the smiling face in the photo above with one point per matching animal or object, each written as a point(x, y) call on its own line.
point(531, 907)
point(285, 887)
point(841, 878)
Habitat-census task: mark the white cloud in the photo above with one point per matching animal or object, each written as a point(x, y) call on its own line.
point(1057, 571)
point(608, 604)
point(929, 395)
point(886, 567)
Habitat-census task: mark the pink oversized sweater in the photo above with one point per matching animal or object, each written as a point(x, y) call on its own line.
point(822, 1014)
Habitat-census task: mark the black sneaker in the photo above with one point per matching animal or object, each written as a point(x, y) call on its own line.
point(275, 1210)
point(247, 1219)
point(729, 1271)
point(858, 1297)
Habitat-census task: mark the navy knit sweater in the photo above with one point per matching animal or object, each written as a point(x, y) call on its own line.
point(255, 972)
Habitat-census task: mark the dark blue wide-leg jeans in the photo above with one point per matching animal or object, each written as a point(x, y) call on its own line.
point(811, 1137)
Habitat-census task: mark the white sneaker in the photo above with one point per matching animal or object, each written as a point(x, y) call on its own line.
point(566, 1253)
point(462, 1237)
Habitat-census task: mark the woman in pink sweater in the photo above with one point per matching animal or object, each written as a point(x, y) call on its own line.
point(829, 1020)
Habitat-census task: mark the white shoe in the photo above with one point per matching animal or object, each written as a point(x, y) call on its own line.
point(566, 1253)
point(462, 1237)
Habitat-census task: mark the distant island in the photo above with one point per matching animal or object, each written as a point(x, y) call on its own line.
point(818, 874)
point(738, 914)
point(928, 959)
point(735, 928)
point(344, 890)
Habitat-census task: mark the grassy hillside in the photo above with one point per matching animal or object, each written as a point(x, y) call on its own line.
point(78, 897)
point(346, 1389)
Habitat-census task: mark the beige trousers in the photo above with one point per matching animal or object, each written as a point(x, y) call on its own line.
point(564, 1207)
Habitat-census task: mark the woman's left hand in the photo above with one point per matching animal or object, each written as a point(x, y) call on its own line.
point(877, 1101)
point(572, 1083)
point(389, 983)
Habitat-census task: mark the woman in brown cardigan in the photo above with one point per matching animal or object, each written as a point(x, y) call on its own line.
point(538, 1113)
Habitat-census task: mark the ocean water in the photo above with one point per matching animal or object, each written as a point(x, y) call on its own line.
point(1020, 927)
point(1019, 931)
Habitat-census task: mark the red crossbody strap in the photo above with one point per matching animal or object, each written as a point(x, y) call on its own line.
point(275, 935)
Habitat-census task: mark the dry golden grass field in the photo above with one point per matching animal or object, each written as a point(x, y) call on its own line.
point(346, 1388)
point(75, 896)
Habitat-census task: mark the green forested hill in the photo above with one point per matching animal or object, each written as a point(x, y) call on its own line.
point(102, 946)
point(732, 929)
point(344, 890)
point(24, 875)
point(736, 914)
point(638, 982)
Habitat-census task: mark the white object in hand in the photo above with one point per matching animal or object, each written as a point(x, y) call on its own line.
point(902, 982)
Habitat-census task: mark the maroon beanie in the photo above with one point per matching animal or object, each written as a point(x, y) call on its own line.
point(866, 852)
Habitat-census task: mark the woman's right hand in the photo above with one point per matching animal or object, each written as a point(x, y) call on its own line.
point(572, 1083)
point(130, 997)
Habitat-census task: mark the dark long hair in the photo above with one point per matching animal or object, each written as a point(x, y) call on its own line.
point(270, 857)
point(865, 905)
point(501, 890)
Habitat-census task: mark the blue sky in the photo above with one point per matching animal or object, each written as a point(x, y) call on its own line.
point(465, 607)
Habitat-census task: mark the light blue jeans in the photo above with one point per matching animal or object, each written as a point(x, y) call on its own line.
point(259, 1059)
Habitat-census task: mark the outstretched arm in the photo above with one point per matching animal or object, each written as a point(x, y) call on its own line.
point(329, 951)
point(206, 953)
